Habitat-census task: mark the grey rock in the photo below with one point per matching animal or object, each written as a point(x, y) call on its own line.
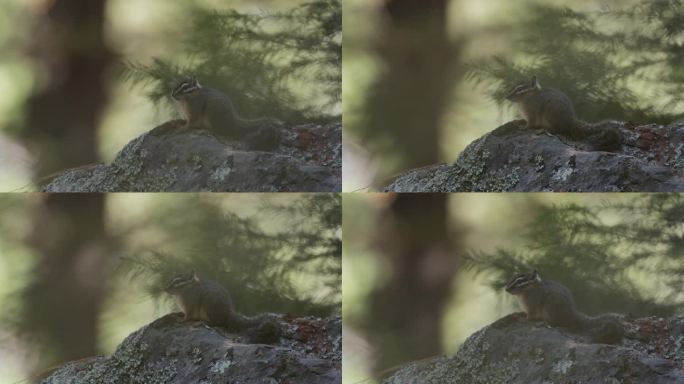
point(513, 159)
point(514, 351)
point(170, 352)
point(170, 159)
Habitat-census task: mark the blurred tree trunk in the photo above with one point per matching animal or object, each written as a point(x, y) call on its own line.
point(63, 300)
point(406, 105)
point(71, 59)
point(406, 312)
point(419, 65)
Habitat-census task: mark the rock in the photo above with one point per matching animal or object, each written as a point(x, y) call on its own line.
point(512, 159)
point(515, 351)
point(170, 352)
point(168, 159)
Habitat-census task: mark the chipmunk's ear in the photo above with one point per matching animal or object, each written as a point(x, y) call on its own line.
point(536, 276)
point(195, 82)
point(535, 82)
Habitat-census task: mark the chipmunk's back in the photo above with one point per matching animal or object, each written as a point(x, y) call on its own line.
point(550, 109)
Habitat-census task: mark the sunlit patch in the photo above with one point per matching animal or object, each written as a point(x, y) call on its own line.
point(40, 6)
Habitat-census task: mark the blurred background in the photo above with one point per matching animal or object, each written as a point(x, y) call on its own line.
point(422, 80)
point(422, 272)
point(80, 272)
point(79, 79)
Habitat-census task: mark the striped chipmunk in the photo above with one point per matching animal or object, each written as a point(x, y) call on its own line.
point(212, 110)
point(208, 301)
point(551, 110)
point(552, 303)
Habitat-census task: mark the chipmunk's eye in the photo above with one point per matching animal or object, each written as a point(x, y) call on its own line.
point(186, 87)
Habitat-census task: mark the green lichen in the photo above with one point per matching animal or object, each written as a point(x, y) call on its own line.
point(561, 175)
point(126, 365)
point(220, 366)
point(677, 162)
point(539, 163)
point(562, 367)
point(221, 172)
point(473, 176)
point(472, 164)
point(196, 355)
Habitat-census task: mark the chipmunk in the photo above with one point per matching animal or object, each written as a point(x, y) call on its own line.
point(551, 110)
point(207, 108)
point(208, 301)
point(552, 303)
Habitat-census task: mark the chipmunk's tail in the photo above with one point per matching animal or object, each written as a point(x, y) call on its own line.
point(262, 134)
point(604, 136)
point(262, 329)
point(605, 329)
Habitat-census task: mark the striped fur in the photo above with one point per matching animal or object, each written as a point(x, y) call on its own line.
point(188, 85)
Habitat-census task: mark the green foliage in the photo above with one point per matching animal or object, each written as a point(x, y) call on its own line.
point(315, 238)
point(285, 65)
point(603, 264)
point(598, 59)
point(261, 266)
point(15, 259)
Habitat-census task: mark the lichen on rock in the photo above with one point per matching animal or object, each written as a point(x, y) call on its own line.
point(511, 158)
point(171, 159)
point(513, 350)
point(172, 352)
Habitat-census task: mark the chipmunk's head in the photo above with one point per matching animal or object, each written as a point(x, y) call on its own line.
point(186, 88)
point(523, 88)
point(181, 281)
point(522, 282)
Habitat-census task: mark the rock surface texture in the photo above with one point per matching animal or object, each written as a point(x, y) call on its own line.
point(515, 351)
point(170, 159)
point(170, 352)
point(513, 159)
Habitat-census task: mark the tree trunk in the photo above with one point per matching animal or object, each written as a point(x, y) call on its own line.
point(63, 301)
point(419, 64)
point(72, 58)
point(406, 312)
point(62, 304)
